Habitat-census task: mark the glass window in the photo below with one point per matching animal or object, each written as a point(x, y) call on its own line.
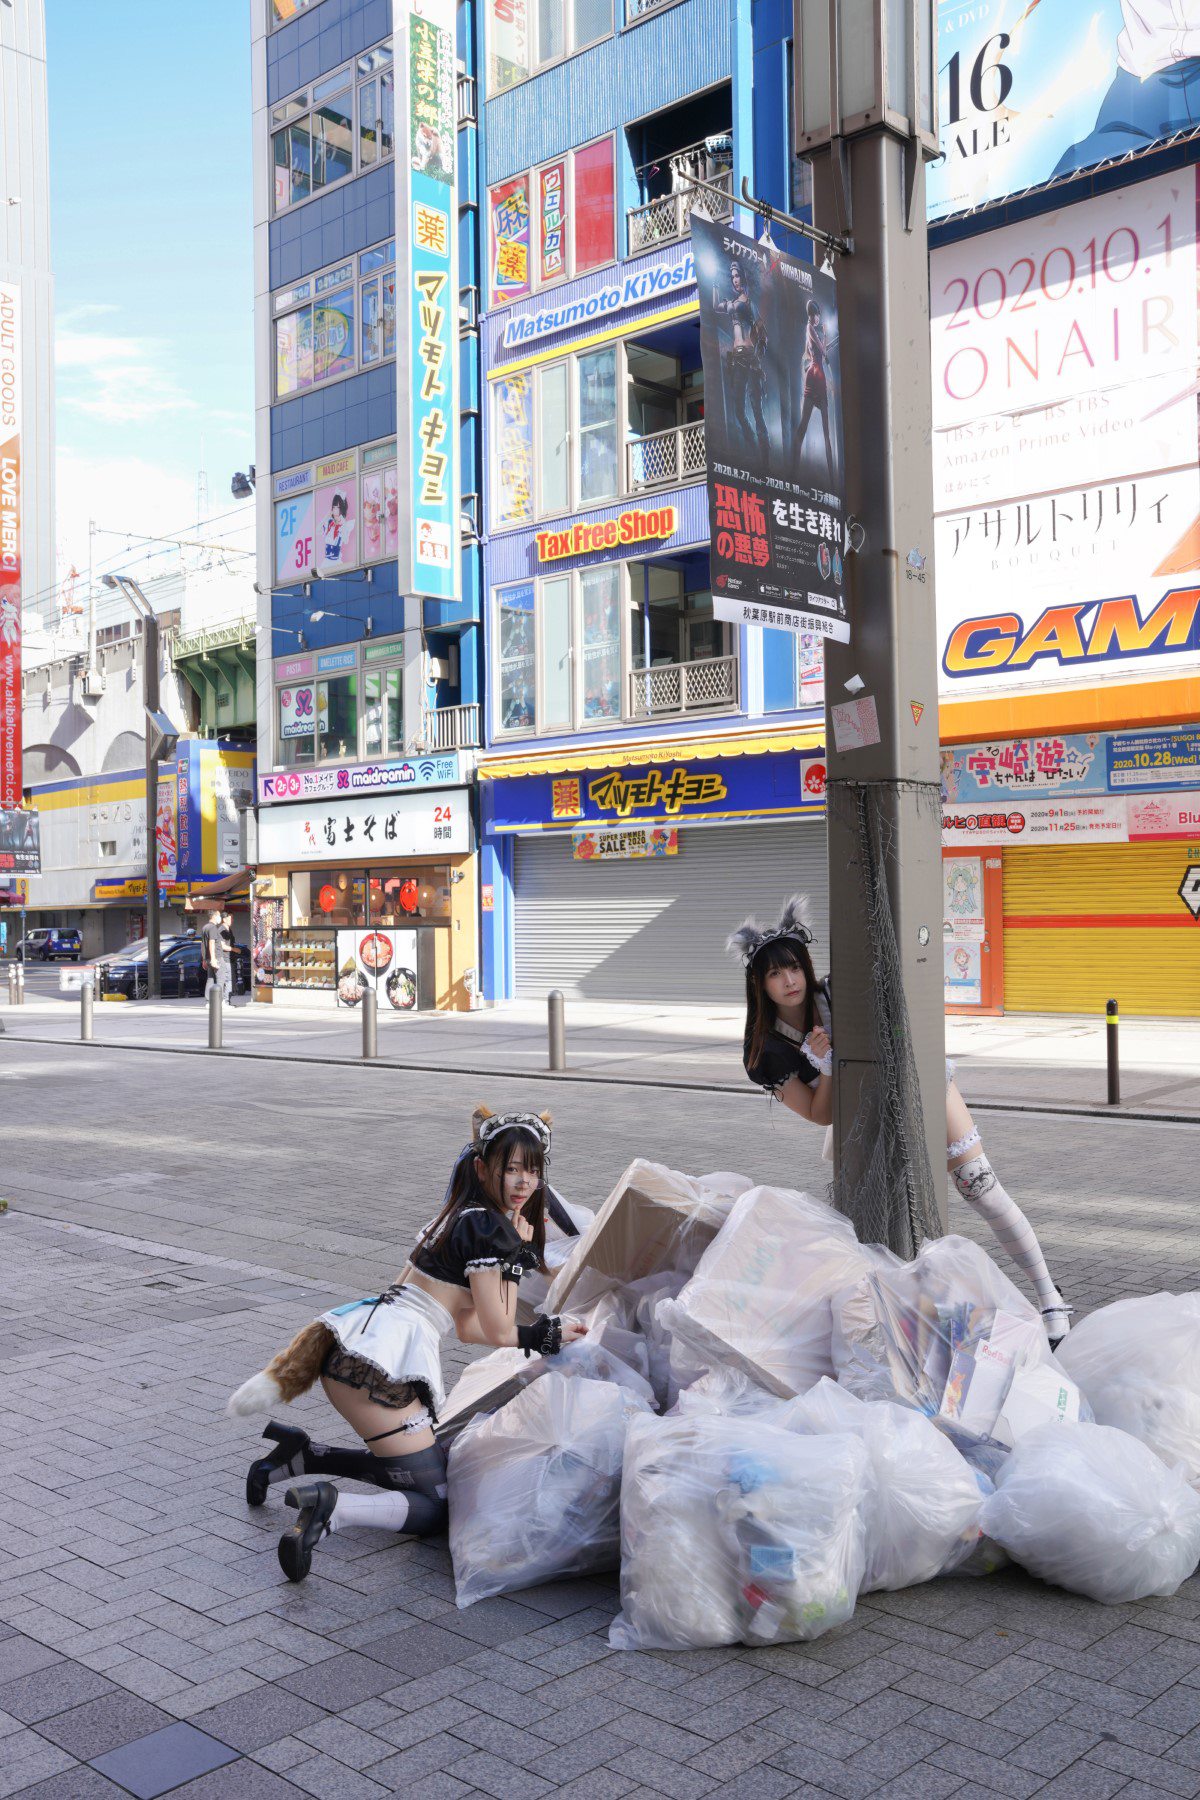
point(597, 426)
point(293, 352)
point(553, 440)
point(373, 513)
point(383, 712)
point(601, 642)
point(336, 523)
point(555, 603)
point(508, 33)
point(295, 705)
point(595, 206)
point(593, 20)
point(516, 659)
point(333, 140)
point(389, 314)
point(293, 164)
point(294, 537)
point(513, 420)
point(368, 124)
point(377, 258)
point(372, 322)
point(552, 30)
point(387, 114)
point(337, 719)
point(333, 335)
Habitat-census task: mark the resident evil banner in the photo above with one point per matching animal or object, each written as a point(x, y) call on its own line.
point(773, 428)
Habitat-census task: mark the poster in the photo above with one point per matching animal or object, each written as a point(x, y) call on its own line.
point(962, 899)
point(333, 325)
point(1057, 764)
point(335, 519)
point(297, 715)
point(552, 222)
point(508, 41)
point(601, 846)
point(513, 414)
point(1067, 498)
point(166, 830)
point(20, 843)
point(372, 515)
point(294, 537)
point(1140, 761)
point(772, 385)
point(10, 546)
point(963, 975)
point(381, 958)
point(508, 210)
point(1030, 91)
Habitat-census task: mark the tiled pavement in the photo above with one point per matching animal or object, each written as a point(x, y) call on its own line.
point(171, 1222)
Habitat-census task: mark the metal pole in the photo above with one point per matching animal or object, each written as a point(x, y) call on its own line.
point(216, 1019)
point(20, 984)
point(12, 984)
point(557, 1029)
point(370, 1022)
point(150, 679)
point(1114, 1060)
point(86, 999)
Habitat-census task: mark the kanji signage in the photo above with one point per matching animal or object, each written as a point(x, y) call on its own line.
point(732, 787)
point(367, 828)
point(773, 432)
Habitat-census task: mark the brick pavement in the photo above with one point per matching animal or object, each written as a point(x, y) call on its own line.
point(171, 1223)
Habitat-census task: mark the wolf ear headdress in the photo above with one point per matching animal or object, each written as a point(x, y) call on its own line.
point(751, 937)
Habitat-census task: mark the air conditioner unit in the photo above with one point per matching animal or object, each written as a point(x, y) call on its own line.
point(94, 684)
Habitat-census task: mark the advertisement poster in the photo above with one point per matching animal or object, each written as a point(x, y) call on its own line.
point(427, 278)
point(380, 958)
point(294, 528)
point(962, 899)
point(508, 209)
point(552, 210)
point(600, 846)
point(1145, 760)
point(508, 43)
point(166, 830)
point(1100, 820)
point(1031, 91)
point(10, 545)
point(773, 427)
point(963, 974)
point(335, 520)
point(513, 413)
point(266, 918)
point(1067, 497)
point(20, 843)
point(1035, 765)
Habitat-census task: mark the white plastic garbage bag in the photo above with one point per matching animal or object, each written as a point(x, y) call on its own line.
point(535, 1489)
point(491, 1382)
point(922, 1504)
point(1138, 1362)
point(760, 1300)
point(1090, 1509)
point(734, 1531)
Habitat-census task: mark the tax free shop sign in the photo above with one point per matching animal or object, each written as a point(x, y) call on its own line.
point(637, 526)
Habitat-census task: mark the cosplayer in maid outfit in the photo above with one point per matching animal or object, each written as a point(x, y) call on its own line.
point(788, 1052)
point(379, 1359)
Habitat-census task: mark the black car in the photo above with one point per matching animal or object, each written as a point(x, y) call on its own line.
point(181, 966)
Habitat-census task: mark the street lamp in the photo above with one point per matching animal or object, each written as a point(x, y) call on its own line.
point(161, 739)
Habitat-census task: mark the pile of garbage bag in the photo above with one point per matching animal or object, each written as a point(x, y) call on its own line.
point(768, 1418)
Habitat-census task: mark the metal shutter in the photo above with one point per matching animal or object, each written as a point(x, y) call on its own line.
point(655, 928)
point(1090, 923)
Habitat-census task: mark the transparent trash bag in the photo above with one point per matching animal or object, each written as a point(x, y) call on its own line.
point(949, 1335)
point(922, 1506)
point(535, 1488)
point(559, 1249)
point(1092, 1510)
point(1138, 1362)
point(734, 1531)
point(760, 1299)
point(489, 1383)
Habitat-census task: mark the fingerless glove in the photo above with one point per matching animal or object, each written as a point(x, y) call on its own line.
point(542, 1338)
point(822, 1064)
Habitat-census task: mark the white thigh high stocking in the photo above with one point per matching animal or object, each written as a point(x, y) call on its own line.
point(980, 1187)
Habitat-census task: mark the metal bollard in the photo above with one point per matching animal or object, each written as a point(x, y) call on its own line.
point(216, 1018)
point(370, 1018)
point(20, 984)
point(86, 999)
point(1114, 1063)
point(12, 984)
point(557, 1027)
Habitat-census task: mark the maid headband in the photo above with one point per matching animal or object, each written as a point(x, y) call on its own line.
point(751, 937)
point(517, 1121)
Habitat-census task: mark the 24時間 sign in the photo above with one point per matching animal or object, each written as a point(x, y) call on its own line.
point(10, 545)
point(427, 273)
point(773, 431)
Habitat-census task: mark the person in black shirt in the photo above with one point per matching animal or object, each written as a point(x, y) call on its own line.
point(379, 1360)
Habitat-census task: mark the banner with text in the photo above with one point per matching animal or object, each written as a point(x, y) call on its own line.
point(10, 545)
point(773, 430)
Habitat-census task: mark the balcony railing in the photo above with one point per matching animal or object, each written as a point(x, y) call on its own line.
point(664, 220)
point(449, 728)
point(213, 637)
point(707, 686)
point(666, 457)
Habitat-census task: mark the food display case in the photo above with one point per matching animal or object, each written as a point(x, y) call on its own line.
point(305, 957)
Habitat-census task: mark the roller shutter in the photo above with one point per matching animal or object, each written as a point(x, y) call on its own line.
point(655, 928)
point(1086, 924)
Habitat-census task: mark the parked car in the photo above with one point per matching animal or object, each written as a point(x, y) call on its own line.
point(181, 966)
point(50, 944)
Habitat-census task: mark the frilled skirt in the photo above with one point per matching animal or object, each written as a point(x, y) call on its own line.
point(391, 1347)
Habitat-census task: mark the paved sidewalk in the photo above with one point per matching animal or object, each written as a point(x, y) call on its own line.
point(1023, 1060)
point(170, 1224)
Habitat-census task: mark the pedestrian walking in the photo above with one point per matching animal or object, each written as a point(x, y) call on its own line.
point(217, 945)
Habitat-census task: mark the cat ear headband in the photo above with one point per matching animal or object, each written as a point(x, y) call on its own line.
point(751, 937)
point(491, 1124)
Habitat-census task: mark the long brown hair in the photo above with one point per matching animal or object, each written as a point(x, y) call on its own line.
point(777, 953)
point(468, 1189)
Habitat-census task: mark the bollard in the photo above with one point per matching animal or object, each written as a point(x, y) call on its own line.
point(12, 984)
point(557, 1027)
point(86, 998)
point(216, 1019)
point(370, 1016)
point(20, 984)
point(1114, 1064)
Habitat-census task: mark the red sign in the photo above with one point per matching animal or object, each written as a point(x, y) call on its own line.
point(10, 546)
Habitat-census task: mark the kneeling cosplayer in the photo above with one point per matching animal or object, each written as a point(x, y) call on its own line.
point(379, 1360)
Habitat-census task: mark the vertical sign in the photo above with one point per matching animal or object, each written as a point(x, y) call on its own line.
point(427, 270)
point(10, 545)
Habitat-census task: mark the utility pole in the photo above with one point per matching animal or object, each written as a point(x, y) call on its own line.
point(866, 87)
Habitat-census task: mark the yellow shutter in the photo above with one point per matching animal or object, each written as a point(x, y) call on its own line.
point(1086, 924)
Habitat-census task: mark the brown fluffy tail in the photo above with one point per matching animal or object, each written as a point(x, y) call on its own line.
point(288, 1375)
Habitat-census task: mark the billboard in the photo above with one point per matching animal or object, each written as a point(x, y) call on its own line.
point(773, 431)
point(1031, 89)
point(10, 545)
point(1067, 499)
point(427, 277)
point(214, 783)
point(20, 843)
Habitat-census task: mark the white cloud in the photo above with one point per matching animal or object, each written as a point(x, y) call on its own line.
point(113, 376)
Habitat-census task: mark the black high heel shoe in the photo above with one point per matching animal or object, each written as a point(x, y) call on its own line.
point(315, 1505)
point(291, 1443)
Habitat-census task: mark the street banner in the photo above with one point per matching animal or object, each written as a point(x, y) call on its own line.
point(10, 545)
point(773, 431)
point(20, 843)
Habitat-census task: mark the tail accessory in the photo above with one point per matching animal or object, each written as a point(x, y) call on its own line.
point(979, 1186)
point(286, 1376)
point(751, 937)
point(542, 1338)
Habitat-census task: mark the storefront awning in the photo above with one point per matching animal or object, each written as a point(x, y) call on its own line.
point(565, 761)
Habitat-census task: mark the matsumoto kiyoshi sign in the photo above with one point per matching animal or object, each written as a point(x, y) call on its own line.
point(659, 280)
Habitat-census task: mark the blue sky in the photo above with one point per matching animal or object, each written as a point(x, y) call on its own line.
point(150, 148)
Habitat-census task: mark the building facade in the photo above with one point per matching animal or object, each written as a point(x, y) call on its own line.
point(365, 158)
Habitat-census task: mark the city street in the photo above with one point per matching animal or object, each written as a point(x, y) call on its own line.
point(171, 1221)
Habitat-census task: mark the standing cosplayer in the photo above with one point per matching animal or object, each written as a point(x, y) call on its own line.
point(787, 1050)
point(379, 1360)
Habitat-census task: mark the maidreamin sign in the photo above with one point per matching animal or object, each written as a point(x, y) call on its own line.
point(654, 283)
